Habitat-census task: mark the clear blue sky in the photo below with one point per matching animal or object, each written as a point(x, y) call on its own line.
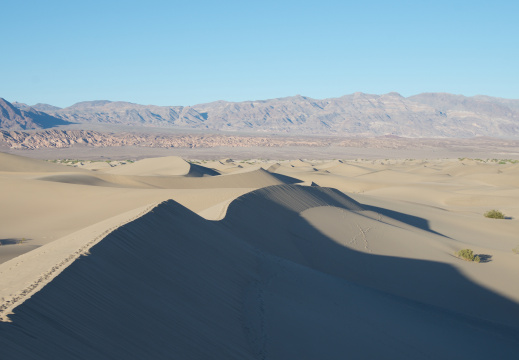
point(189, 52)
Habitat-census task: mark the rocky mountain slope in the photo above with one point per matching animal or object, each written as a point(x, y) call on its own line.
point(359, 114)
point(14, 118)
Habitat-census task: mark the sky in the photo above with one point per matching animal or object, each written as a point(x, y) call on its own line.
point(191, 52)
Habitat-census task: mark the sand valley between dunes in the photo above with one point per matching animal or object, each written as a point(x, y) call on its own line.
point(166, 258)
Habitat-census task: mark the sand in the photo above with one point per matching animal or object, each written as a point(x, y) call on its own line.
point(232, 259)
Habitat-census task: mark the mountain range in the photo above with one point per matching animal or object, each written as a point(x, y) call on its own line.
point(26, 118)
point(358, 114)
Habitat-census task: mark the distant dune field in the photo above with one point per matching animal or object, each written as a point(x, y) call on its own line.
point(258, 259)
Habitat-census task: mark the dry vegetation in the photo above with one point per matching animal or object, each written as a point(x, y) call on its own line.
point(495, 214)
point(467, 254)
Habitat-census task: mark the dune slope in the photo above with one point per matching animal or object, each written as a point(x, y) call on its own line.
point(174, 285)
point(16, 163)
point(163, 166)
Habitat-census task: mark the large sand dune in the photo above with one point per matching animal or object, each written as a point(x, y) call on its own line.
point(163, 166)
point(16, 163)
point(251, 265)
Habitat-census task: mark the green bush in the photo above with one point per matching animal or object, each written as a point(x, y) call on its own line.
point(468, 255)
point(494, 214)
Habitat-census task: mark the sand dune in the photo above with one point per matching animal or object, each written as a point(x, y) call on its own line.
point(246, 179)
point(371, 233)
point(339, 168)
point(88, 179)
point(42, 202)
point(247, 262)
point(251, 179)
point(161, 173)
point(15, 163)
point(299, 163)
point(171, 282)
point(163, 166)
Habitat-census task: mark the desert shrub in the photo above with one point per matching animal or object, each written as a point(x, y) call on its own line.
point(516, 250)
point(494, 214)
point(468, 255)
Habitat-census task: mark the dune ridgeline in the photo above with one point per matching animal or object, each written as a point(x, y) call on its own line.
point(164, 258)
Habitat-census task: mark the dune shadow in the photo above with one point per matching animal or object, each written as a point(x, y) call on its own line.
point(198, 170)
point(14, 241)
point(484, 258)
point(414, 221)
point(429, 282)
point(285, 179)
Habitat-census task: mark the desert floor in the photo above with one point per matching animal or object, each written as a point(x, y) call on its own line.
point(258, 259)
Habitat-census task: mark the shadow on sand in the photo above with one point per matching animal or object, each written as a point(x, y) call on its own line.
point(261, 283)
point(411, 220)
point(13, 241)
point(428, 282)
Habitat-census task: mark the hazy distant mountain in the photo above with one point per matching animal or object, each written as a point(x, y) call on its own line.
point(425, 115)
point(359, 114)
point(38, 107)
point(124, 113)
point(13, 118)
point(20, 106)
point(45, 107)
